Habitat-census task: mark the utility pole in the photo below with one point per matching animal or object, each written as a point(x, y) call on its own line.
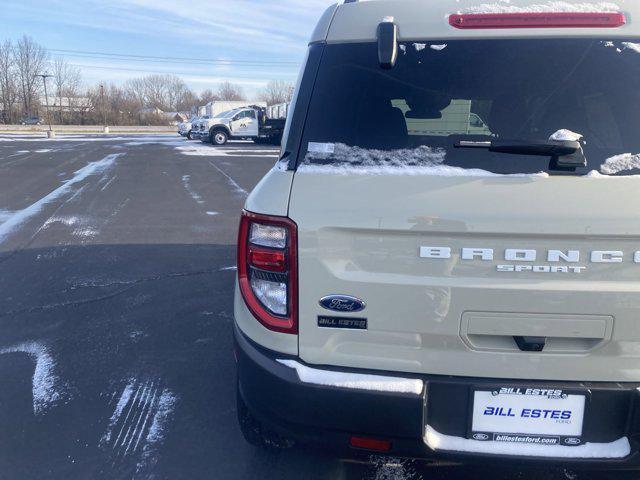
point(44, 77)
point(104, 109)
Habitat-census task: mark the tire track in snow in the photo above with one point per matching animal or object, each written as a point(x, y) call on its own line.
point(19, 217)
point(136, 427)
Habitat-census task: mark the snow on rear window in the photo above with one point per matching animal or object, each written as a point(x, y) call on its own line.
point(557, 6)
point(422, 160)
point(621, 163)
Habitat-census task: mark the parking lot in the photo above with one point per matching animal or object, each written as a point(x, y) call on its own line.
point(118, 264)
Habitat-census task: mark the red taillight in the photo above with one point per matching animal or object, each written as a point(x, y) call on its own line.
point(268, 270)
point(273, 260)
point(367, 443)
point(538, 20)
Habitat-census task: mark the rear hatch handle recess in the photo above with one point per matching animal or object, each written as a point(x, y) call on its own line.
point(565, 155)
point(530, 344)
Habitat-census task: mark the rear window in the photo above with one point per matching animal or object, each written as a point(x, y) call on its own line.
point(441, 93)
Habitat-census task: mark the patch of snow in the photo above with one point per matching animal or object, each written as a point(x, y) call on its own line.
point(388, 20)
point(109, 182)
point(86, 232)
point(213, 214)
point(234, 268)
point(123, 401)
point(419, 46)
point(282, 165)
point(547, 7)
point(210, 151)
point(46, 386)
point(21, 216)
point(43, 150)
point(438, 47)
point(355, 381)
point(632, 46)
point(440, 442)
point(423, 160)
point(4, 214)
point(165, 407)
point(186, 181)
point(403, 48)
point(80, 138)
point(621, 163)
point(565, 135)
point(237, 188)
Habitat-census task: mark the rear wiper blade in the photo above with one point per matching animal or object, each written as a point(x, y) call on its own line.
point(565, 155)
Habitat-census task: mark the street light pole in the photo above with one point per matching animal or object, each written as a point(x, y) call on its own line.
point(44, 77)
point(104, 109)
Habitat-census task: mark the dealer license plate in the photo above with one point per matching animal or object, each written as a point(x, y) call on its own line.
point(528, 415)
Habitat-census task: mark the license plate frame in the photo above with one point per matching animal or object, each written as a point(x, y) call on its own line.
point(576, 401)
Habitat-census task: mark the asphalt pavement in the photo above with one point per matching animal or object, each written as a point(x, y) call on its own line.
point(117, 269)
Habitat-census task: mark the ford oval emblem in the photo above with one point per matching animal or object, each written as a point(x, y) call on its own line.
point(572, 441)
point(342, 303)
point(480, 436)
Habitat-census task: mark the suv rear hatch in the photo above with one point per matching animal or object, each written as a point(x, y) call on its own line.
point(471, 262)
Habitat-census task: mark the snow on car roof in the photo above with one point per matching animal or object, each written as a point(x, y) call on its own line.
point(420, 20)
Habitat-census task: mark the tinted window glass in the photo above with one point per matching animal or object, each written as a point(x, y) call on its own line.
point(439, 94)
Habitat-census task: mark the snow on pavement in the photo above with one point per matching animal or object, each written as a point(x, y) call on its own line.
point(186, 181)
point(14, 221)
point(139, 421)
point(46, 385)
point(89, 138)
point(237, 188)
point(211, 151)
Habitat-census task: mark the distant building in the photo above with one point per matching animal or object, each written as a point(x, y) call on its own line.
point(176, 117)
point(150, 111)
point(67, 104)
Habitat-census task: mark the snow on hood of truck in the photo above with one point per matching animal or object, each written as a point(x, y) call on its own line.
point(358, 21)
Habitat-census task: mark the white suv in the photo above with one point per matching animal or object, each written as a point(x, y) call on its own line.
point(446, 258)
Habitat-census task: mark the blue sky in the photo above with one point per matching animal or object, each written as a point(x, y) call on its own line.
point(251, 41)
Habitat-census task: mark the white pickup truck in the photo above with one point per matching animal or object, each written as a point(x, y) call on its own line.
point(445, 261)
point(248, 123)
point(184, 128)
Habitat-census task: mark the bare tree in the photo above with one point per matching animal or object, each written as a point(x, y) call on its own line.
point(277, 91)
point(67, 80)
point(8, 84)
point(230, 92)
point(208, 96)
point(164, 92)
point(31, 59)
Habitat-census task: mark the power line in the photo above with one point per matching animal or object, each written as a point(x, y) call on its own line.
point(176, 62)
point(189, 59)
point(125, 69)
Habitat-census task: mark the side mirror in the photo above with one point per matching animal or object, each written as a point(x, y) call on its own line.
point(387, 44)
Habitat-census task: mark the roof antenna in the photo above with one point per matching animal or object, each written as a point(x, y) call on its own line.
point(387, 43)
